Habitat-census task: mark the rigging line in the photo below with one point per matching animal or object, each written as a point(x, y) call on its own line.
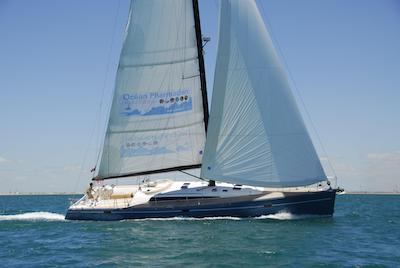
point(296, 88)
point(84, 158)
point(96, 123)
point(99, 140)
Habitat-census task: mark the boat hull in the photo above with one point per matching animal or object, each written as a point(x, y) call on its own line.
point(306, 203)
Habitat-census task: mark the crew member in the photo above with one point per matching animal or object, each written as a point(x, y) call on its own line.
point(89, 191)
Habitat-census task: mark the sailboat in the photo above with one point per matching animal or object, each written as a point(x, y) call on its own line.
point(253, 150)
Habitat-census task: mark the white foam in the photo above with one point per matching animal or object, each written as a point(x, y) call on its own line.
point(279, 216)
point(189, 219)
point(284, 216)
point(33, 216)
point(48, 216)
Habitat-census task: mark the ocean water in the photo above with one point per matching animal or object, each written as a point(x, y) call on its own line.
point(364, 232)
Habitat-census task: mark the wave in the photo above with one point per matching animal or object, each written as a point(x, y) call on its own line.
point(48, 216)
point(33, 216)
point(284, 216)
point(277, 216)
point(280, 216)
point(188, 219)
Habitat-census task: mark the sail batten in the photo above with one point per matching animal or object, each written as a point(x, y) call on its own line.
point(157, 119)
point(256, 135)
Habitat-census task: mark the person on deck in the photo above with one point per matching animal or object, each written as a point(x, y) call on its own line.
point(89, 191)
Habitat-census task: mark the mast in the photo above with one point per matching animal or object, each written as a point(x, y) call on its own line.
point(201, 61)
point(199, 39)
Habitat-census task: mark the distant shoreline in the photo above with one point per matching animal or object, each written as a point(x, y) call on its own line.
point(17, 194)
point(347, 193)
point(375, 193)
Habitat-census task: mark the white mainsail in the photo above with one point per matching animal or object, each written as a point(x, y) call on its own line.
point(256, 135)
point(157, 118)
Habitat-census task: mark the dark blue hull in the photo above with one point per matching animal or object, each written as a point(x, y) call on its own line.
point(308, 203)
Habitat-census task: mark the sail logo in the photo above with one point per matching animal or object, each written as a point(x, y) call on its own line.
point(155, 145)
point(156, 103)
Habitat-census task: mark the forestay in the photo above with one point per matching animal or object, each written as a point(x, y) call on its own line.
point(157, 118)
point(256, 135)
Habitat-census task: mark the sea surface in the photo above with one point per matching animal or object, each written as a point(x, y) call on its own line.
point(364, 232)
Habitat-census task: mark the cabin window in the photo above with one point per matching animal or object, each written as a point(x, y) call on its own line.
point(185, 185)
point(237, 187)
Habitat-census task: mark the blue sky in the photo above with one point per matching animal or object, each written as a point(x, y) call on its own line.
point(58, 58)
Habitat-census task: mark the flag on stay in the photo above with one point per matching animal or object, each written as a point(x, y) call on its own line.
point(93, 169)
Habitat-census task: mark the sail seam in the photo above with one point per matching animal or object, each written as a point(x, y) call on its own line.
point(270, 135)
point(153, 129)
point(166, 50)
point(123, 66)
